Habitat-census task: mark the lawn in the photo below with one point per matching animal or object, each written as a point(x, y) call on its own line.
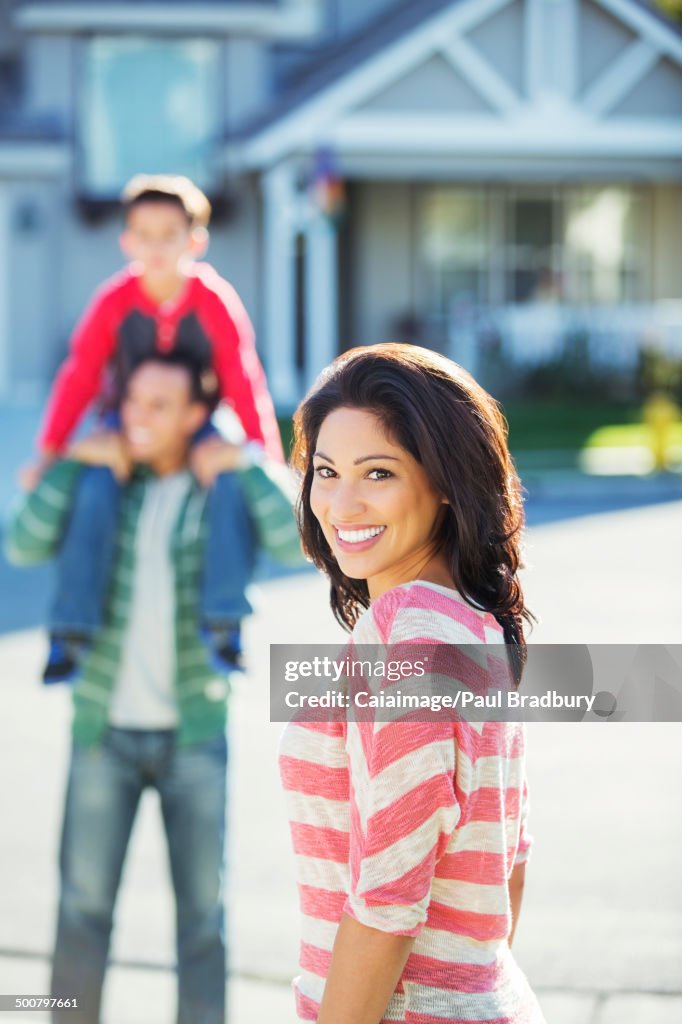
point(630, 435)
point(567, 426)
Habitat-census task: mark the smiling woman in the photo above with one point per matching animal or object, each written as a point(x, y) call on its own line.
point(410, 836)
point(412, 426)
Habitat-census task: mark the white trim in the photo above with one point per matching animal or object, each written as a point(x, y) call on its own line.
point(551, 40)
point(40, 159)
point(509, 166)
point(620, 77)
point(294, 20)
point(466, 60)
point(280, 220)
point(321, 296)
point(447, 134)
point(646, 25)
point(307, 123)
point(533, 44)
point(565, 45)
point(5, 266)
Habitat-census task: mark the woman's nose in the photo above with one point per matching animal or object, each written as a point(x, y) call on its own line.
point(347, 502)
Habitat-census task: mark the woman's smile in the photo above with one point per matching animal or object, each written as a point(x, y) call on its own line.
point(357, 538)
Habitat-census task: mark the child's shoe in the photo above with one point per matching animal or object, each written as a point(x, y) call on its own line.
point(224, 643)
point(64, 657)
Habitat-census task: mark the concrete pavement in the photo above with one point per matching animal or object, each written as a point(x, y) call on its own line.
point(601, 932)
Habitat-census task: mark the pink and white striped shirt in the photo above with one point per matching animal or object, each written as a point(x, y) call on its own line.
point(413, 828)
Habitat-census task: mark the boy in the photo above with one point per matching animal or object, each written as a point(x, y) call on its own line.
point(163, 301)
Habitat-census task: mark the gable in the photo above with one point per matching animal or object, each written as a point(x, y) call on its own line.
point(658, 94)
point(602, 39)
point(434, 86)
point(521, 67)
point(501, 37)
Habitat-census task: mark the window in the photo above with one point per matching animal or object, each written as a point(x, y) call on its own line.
point(453, 247)
point(532, 248)
point(523, 245)
point(148, 105)
point(605, 232)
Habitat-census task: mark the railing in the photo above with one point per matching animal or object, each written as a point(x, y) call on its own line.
point(530, 335)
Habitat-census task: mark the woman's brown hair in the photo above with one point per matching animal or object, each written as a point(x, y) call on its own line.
point(437, 412)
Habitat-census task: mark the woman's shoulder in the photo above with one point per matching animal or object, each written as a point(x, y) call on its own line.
point(427, 612)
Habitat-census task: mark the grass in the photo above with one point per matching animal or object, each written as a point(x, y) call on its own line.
point(630, 435)
point(568, 426)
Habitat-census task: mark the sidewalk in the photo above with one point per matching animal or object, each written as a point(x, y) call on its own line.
point(601, 932)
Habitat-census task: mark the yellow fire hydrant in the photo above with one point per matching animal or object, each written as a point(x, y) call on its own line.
point(660, 415)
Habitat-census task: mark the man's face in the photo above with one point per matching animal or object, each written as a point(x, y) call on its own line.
point(158, 416)
point(159, 239)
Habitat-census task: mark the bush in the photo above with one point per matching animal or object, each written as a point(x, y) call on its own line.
point(657, 371)
point(571, 374)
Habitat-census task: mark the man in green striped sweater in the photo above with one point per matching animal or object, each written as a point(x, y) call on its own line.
point(149, 709)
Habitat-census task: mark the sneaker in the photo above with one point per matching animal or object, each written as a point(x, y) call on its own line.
point(64, 657)
point(224, 645)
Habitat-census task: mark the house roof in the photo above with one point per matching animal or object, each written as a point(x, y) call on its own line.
point(126, 3)
point(335, 72)
point(330, 64)
point(265, 18)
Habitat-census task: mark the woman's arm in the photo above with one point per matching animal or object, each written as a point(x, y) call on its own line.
point(517, 880)
point(365, 969)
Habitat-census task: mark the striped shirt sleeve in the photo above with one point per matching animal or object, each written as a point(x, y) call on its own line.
point(403, 805)
point(269, 492)
point(403, 811)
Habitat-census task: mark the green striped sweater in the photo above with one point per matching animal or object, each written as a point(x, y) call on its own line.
point(34, 535)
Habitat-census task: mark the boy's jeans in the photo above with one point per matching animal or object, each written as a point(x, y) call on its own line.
point(86, 557)
point(104, 789)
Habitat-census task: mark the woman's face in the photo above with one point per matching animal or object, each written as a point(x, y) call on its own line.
point(374, 502)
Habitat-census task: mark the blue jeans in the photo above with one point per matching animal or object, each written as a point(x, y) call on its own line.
point(104, 789)
point(86, 557)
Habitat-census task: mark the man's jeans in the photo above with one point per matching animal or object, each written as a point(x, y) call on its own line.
point(104, 789)
point(86, 557)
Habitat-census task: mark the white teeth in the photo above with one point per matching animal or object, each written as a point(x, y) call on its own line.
point(355, 536)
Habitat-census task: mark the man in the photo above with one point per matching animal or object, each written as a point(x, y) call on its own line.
point(148, 708)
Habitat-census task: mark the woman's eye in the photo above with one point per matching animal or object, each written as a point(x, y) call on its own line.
point(326, 472)
point(379, 474)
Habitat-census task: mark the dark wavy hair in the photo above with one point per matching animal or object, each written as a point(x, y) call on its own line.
point(437, 412)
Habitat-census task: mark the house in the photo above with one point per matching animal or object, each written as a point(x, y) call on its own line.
point(512, 166)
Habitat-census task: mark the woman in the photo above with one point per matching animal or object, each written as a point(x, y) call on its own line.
point(410, 837)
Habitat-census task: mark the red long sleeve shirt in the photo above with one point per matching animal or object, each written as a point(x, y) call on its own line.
point(123, 325)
